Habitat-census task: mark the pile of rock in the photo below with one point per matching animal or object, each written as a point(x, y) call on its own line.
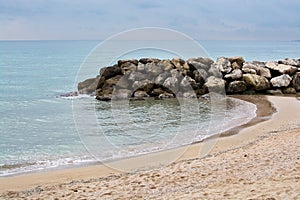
point(149, 77)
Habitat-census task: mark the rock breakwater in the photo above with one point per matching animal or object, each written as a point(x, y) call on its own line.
point(192, 78)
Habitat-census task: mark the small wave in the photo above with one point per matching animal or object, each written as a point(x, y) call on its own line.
point(80, 96)
point(14, 169)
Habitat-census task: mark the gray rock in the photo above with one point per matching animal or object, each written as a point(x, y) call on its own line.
point(281, 81)
point(258, 67)
point(137, 76)
point(166, 95)
point(189, 94)
point(281, 68)
point(234, 75)
point(140, 67)
point(200, 63)
point(289, 61)
point(152, 69)
point(187, 83)
point(236, 87)
point(172, 84)
point(140, 94)
point(214, 71)
point(256, 82)
point(223, 65)
point(166, 65)
point(214, 84)
point(141, 84)
point(160, 79)
point(296, 81)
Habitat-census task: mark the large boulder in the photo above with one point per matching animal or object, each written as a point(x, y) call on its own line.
point(149, 60)
point(171, 83)
point(121, 94)
point(160, 79)
point(281, 68)
point(256, 82)
point(108, 72)
point(296, 81)
point(127, 66)
point(236, 87)
point(238, 60)
point(223, 65)
point(200, 63)
point(152, 69)
point(88, 86)
point(214, 84)
point(256, 68)
point(166, 65)
point(290, 61)
point(281, 81)
point(234, 75)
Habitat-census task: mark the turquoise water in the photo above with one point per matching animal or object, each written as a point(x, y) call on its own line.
point(38, 130)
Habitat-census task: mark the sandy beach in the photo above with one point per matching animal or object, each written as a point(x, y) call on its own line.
point(261, 161)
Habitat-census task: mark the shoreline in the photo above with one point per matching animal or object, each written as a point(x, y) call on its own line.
point(245, 136)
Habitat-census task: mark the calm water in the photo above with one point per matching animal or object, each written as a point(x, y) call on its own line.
point(38, 131)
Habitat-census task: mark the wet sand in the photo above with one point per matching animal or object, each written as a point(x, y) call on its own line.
point(261, 161)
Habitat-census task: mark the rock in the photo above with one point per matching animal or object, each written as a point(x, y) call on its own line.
point(281, 81)
point(104, 94)
point(140, 67)
point(187, 83)
point(108, 72)
point(289, 61)
point(200, 63)
point(122, 94)
point(289, 90)
point(223, 65)
point(172, 84)
point(296, 81)
point(112, 81)
point(137, 76)
point(200, 75)
point(234, 75)
point(157, 91)
point(152, 69)
point(148, 60)
point(88, 86)
point(166, 95)
point(140, 94)
point(281, 68)
point(236, 87)
point(127, 66)
point(178, 62)
point(238, 60)
point(214, 71)
point(145, 85)
point(160, 79)
point(69, 94)
point(256, 68)
point(132, 61)
point(249, 71)
point(189, 95)
point(214, 84)
point(166, 65)
point(274, 92)
point(124, 82)
point(256, 82)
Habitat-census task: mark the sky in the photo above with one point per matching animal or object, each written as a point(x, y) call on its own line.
point(100, 19)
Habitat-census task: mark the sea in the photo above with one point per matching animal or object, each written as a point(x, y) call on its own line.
point(42, 130)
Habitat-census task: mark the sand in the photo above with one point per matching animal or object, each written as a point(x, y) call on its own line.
point(262, 161)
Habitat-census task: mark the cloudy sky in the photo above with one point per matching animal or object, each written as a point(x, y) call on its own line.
point(200, 19)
